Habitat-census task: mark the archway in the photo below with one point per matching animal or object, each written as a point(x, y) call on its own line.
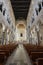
point(20, 32)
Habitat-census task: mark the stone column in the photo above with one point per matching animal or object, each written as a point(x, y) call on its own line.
point(38, 33)
point(28, 34)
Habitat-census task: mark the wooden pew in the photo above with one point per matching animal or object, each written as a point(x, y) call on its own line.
point(29, 48)
point(39, 61)
point(9, 47)
point(35, 55)
point(7, 53)
point(34, 51)
point(6, 50)
point(2, 57)
point(1, 64)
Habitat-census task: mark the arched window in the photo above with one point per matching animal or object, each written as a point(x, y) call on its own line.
point(8, 19)
point(21, 35)
point(42, 3)
point(39, 4)
point(4, 11)
point(36, 11)
point(1, 5)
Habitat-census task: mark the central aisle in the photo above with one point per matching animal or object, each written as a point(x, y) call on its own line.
point(19, 57)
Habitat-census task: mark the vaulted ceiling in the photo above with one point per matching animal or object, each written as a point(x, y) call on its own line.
point(20, 8)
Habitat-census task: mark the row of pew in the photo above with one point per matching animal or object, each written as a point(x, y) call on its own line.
point(6, 51)
point(35, 52)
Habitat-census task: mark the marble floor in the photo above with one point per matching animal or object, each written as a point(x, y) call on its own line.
point(19, 57)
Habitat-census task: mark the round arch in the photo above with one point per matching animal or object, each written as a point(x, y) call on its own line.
point(21, 32)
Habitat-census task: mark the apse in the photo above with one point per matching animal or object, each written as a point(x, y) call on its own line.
point(20, 32)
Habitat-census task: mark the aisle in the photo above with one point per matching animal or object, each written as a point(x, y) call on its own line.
point(19, 57)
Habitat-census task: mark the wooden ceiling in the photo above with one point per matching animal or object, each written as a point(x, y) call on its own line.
point(20, 8)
